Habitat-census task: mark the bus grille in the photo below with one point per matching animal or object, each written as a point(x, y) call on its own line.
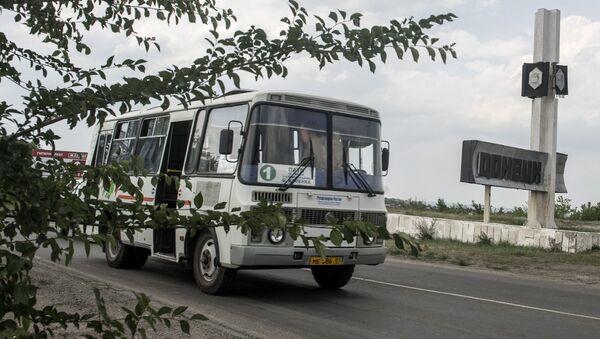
point(319, 217)
point(276, 197)
point(375, 218)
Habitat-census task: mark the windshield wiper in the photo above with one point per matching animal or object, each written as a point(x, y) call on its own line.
point(307, 161)
point(357, 177)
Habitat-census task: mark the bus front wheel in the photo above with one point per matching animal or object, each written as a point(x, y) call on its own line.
point(119, 255)
point(332, 277)
point(210, 276)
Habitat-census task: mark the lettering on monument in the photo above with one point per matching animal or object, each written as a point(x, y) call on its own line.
point(507, 168)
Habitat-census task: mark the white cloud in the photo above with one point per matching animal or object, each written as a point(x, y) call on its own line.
point(470, 46)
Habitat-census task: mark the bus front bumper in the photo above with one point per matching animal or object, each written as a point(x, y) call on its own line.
point(263, 256)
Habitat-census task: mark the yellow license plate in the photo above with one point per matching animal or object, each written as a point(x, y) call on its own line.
point(326, 261)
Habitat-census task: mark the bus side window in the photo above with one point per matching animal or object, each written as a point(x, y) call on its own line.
point(106, 148)
point(102, 149)
point(99, 156)
point(195, 144)
point(124, 141)
point(151, 142)
point(210, 159)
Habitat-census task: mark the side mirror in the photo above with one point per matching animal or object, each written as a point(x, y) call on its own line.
point(226, 142)
point(385, 159)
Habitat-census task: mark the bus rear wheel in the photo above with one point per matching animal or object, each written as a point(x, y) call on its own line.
point(119, 255)
point(210, 276)
point(332, 277)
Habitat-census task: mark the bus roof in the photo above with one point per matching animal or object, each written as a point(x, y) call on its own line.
point(282, 97)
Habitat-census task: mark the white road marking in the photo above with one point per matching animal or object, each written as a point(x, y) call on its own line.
point(478, 299)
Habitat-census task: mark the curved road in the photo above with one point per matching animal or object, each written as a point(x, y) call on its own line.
point(397, 299)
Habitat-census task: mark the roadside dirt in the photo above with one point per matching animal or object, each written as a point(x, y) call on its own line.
point(70, 292)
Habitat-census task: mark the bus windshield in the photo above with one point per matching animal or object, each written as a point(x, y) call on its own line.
point(281, 139)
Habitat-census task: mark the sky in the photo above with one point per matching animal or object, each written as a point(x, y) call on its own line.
point(427, 108)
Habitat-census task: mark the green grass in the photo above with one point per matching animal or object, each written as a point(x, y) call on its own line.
point(581, 267)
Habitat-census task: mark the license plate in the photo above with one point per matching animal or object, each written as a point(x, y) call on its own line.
point(327, 261)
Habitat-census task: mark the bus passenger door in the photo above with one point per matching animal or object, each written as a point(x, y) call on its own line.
point(173, 159)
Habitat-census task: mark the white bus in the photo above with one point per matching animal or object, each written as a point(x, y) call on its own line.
point(315, 156)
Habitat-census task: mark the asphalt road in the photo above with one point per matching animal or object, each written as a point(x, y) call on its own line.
point(398, 299)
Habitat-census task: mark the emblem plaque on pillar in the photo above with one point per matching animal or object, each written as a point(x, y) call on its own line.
point(534, 83)
point(561, 85)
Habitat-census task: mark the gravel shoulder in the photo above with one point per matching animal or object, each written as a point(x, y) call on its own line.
point(72, 292)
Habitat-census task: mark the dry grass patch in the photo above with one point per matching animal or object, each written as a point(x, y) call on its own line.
point(580, 267)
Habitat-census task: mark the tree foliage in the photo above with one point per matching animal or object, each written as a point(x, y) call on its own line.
point(42, 203)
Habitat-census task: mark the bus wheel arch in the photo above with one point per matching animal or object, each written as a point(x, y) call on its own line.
point(211, 277)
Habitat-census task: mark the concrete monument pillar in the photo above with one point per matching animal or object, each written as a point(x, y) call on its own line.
point(544, 115)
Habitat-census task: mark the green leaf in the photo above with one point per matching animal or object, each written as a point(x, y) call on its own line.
point(130, 324)
point(198, 200)
point(431, 52)
point(356, 19)
point(383, 232)
point(336, 237)
point(199, 316)
point(185, 326)
point(319, 247)
point(164, 310)
point(398, 242)
point(281, 220)
point(109, 61)
point(86, 246)
point(165, 103)
point(179, 310)
point(371, 66)
point(220, 205)
point(333, 16)
point(415, 54)
point(236, 79)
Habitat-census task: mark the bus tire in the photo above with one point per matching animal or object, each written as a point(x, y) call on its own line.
point(332, 277)
point(124, 256)
point(211, 277)
point(140, 257)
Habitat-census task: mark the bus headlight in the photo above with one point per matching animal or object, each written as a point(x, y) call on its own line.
point(256, 237)
point(368, 240)
point(276, 236)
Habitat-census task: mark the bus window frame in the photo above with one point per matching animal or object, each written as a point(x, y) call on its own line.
point(209, 110)
point(330, 114)
point(106, 133)
point(166, 135)
point(141, 119)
